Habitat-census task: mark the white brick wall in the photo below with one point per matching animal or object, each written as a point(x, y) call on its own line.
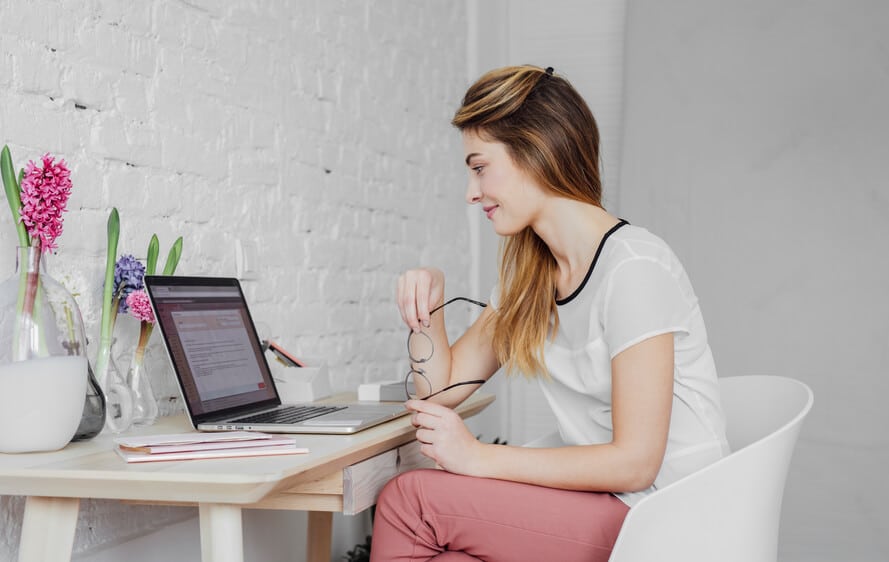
point(315, 131)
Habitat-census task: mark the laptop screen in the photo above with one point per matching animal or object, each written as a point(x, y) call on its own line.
point(212, 344)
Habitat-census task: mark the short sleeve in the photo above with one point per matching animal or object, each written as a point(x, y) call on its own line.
point(643, 299)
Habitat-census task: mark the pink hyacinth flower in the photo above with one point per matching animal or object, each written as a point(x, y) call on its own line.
point(45, 192)
point(140, 307)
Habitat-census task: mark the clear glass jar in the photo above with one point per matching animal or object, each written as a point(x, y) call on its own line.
point(118, 396)
point(43, 365)
point(144, 404)
point(93, 418)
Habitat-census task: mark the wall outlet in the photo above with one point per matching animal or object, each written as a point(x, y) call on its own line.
point(246, 258)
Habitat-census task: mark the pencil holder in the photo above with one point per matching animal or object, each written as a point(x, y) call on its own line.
point(301, 384)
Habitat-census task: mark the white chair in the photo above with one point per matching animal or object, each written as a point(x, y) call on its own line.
point(728, 511)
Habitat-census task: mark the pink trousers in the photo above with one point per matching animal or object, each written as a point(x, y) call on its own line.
point(433, 514)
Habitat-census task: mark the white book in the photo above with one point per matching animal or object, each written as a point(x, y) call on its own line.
point(384, 391)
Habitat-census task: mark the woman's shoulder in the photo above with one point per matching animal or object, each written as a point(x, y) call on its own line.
point(637, 253)
point(636, 242)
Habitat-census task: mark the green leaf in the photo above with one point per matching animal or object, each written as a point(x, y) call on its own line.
point(173, 257)
point(153, 251)
point(108, 313)
point(110, 260)
point(13, 194)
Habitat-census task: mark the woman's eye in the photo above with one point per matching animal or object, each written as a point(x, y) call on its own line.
point(477, 169)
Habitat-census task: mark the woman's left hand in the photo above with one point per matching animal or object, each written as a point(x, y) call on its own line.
point(444, 437)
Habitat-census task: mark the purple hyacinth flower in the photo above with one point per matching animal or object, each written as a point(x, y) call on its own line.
point(128, 277)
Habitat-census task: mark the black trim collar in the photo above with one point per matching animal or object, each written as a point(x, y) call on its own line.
point(589, 272)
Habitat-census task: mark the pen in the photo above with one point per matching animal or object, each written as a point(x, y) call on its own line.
point(284, 356)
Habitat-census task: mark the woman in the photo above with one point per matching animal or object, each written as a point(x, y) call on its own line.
point(600, 312)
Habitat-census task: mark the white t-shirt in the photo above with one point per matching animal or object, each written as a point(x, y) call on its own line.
point(635, 289)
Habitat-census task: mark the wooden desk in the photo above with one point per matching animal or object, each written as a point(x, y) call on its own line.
point(340, 473)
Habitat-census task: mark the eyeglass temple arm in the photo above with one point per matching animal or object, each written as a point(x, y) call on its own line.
point(455, 385)
point(444, 304)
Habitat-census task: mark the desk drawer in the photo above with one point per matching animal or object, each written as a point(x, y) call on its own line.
point(363, 481)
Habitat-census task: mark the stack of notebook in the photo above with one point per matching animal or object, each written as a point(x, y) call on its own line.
point(194, 445)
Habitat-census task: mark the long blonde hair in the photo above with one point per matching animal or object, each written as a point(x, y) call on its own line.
point(550, 133)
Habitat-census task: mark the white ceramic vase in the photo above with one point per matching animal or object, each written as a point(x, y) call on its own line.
point(41, 402)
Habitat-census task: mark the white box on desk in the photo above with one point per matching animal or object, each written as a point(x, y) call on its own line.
point(394, 390)
point(301, 384)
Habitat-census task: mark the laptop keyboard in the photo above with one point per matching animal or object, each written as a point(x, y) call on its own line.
point(290, 414)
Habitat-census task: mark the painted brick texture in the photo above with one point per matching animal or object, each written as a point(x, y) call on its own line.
point(313, 133)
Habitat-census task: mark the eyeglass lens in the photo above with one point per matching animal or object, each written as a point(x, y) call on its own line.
point(419, 347)
point(420, 350)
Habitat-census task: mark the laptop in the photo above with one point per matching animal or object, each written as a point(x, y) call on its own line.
point(221, 366)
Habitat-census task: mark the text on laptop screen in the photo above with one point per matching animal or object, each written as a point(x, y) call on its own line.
point(213, 345)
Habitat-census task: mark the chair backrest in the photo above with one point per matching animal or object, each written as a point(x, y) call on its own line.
point(728, 511)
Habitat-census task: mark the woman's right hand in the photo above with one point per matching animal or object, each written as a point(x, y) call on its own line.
point(419, 291)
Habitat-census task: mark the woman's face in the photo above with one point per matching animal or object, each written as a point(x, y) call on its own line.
point(508, 196)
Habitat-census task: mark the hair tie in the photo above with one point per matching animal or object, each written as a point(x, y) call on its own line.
point(549, 71)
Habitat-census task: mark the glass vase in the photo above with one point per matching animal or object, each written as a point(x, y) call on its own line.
point(144, 404)
point(93, 419)
point(118, 397)
point(43, 365)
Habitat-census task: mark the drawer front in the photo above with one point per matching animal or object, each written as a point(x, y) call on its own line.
point(363, 481)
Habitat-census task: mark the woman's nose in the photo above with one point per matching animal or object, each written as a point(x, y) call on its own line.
point(473, 193)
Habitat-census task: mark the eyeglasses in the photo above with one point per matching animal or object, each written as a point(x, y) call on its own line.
point(420, 350)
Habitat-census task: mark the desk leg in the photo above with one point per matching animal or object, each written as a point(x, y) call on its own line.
point(48, 529)
point(222, 535)
point(320, 529)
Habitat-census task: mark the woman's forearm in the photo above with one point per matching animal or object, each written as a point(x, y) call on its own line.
point(600, 468)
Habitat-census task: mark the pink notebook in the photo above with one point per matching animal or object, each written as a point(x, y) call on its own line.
point(186, 446)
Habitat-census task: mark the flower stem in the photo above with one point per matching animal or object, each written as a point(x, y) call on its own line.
point(144, 336)
point(32, 276)
point(72, 346)
point(34, 298)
